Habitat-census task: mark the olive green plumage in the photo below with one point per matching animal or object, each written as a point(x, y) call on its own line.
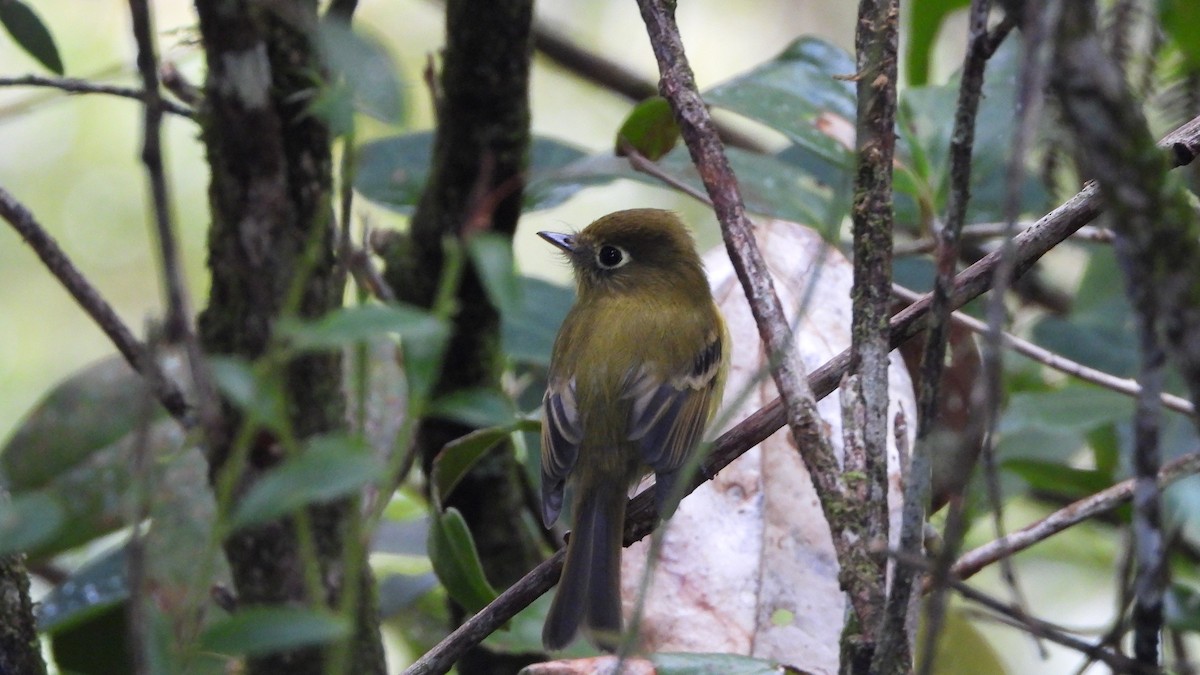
point(636, 373)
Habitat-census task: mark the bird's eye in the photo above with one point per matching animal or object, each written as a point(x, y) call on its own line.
point(611, 257)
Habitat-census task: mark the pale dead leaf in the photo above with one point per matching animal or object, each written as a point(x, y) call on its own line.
point(748, 565)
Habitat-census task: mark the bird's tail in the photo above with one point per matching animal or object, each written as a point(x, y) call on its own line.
point(589, 590)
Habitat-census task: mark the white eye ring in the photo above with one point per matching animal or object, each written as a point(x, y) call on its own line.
point(610, 257)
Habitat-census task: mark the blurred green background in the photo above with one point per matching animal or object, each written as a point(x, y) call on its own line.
point(73, 160)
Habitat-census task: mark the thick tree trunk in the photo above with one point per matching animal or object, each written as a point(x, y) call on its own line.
point(475, 184)
point(271, 243)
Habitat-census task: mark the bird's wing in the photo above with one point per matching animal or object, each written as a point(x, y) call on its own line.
point(667, 418)
point(561, 435)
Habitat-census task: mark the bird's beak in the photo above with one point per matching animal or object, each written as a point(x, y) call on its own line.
point(566, 242)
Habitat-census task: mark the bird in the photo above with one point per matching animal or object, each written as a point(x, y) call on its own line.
point(636, 372)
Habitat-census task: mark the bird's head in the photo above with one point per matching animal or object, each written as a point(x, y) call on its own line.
point(637, 250)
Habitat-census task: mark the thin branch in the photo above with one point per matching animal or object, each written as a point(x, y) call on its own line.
point(933, 359)
point(1100, 235)
point(174, 82)
point(75, 85)
point(639, 162)
point(1121, 385)
point(987, 394)
point(57, 262)
point(1016, 617)
point(178, 325)
point(1084, 509)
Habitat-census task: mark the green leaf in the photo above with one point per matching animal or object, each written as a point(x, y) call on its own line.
point(1179, 21)
point(1100, 329)
point(1058, 478)
point(650, 129)
point(769, 186)
point(351, 325)
point(1181, 607)
point(459, 455)
point(478, 407)
point(259, 397)
point(329, 467)
point(790, 93)
point(716, 664)
point(29, 520)
point(492, 255)
point(93, 496)
point(364, 65)
point(98, 585)
point(392, 171)
point(422, 352)
point(89, 410)
point(1039, 443)
point(925, 19)
point(527, 335)
point(456, 561)
point(254, 631)
point(23, 24)
point(1077, 408)
point(403, 507)
point(924, 142)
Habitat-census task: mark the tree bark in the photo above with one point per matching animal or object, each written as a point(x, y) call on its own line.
point(20, 648)
point(475, 184)
point(270, 253)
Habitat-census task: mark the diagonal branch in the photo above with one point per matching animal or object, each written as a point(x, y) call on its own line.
point(94, 304)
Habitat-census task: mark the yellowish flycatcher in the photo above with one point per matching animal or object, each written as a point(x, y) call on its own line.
point(636, 373)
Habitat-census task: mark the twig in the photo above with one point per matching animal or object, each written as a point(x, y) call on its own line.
point(987, 395)
point(1044, 356)
point(57, 262)
point(77, 86)
point(1049, 231)
point(177, 326)
point(1089, 507)
point(1016, 617)
point(174, 82)
point(916, 495)
point(143, 486)
point(1090, 233)
point(639, 162)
